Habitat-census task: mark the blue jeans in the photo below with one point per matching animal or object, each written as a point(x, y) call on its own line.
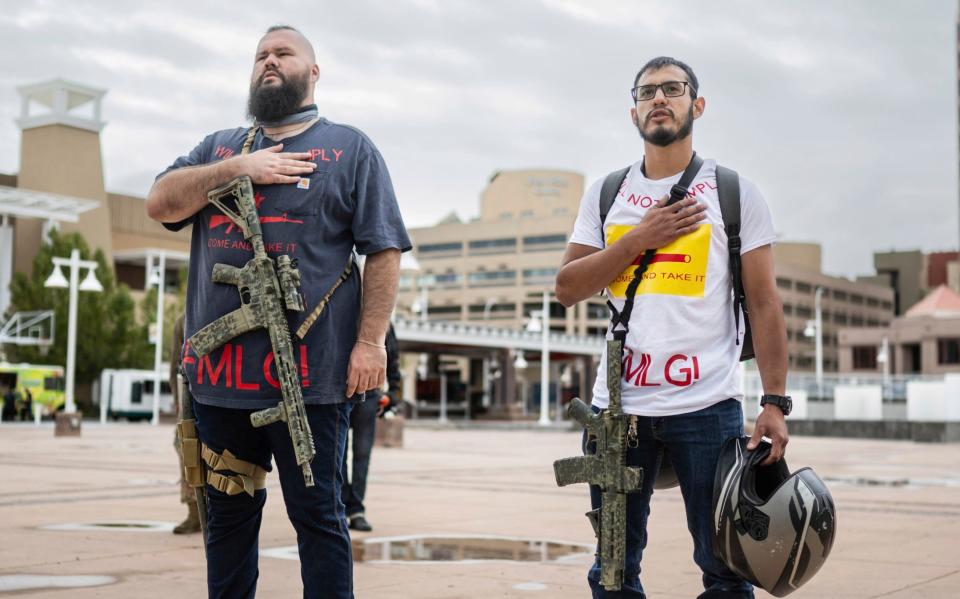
point(363, 421)
point(693, 443)
point(233, 522)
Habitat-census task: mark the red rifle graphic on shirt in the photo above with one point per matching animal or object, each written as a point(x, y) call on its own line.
point(218, 219)
point(682, 258)
point(221, 219)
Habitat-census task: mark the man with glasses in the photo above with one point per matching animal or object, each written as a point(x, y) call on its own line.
point(680, 384)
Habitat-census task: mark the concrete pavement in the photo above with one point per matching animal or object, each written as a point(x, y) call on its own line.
point(898, 516)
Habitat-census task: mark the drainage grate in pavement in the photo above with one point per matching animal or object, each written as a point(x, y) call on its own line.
point(32, 582)
point(119, 525)
point(442, 548)
point(891, 481)
point(530, 586)
point(453, 548)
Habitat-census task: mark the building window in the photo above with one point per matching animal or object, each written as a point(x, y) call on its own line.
point(446, 310)
point(873, 302)
point(864, 357)
point(557, 310)
point(784, 283)
point(447, 279)
point(856, 298)
point(839, 295)
point(787, 309)
point(595, 311)
point(886, 305)
point(439, 248)
point(804, 311)
point(948, 351)
point(504, 310)
point(856, 321)
point(494, 277)
point(539, 275)
point(840, 318)
point(533, 241)
point(491, 246)
point(804, 287)
point(598, 331)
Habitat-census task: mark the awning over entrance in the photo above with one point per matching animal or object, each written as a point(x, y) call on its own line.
point(26, 203)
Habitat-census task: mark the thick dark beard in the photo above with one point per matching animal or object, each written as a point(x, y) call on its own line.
point(662, 137)
point(268, 103)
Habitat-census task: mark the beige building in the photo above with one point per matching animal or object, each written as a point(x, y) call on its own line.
point(843, 303)
point(925, 340)
point(496, 267)
point(63, 119)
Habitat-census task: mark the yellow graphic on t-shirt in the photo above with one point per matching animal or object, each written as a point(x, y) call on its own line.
point(679, 268)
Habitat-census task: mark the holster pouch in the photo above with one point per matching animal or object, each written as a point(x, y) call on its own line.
point(190, 452)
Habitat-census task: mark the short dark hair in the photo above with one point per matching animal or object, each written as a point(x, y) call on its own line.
point(655, 64)
point(282, 28)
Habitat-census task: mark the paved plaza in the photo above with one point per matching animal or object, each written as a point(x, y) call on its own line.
point(898, 517)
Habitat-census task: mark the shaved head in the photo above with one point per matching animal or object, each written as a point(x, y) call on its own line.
point(297, 37)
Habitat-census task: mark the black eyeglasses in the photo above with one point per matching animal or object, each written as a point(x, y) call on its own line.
point(671, 89)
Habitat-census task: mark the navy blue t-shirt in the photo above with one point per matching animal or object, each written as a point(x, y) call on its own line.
point(347, 203)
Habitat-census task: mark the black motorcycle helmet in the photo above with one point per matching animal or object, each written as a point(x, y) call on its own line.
point(772, 527)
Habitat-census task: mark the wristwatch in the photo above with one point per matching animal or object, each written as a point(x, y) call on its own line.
point(781, 401)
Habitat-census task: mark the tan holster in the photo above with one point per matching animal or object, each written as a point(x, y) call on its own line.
point(190, 452)
point(247, 477)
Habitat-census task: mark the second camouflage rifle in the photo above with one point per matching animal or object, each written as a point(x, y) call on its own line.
point(606, 468)
point(267, 291)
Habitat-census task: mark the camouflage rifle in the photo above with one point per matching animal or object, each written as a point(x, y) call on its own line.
point(265, 290)
point(608, 469)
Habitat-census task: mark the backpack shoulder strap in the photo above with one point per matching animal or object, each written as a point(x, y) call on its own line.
point(728, 190)
point(608, 193)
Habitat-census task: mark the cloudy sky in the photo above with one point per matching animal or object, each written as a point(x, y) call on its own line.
point(844, 113)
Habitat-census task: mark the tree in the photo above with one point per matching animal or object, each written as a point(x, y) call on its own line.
point(108, 334)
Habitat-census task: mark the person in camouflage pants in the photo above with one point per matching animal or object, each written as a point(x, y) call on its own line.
point(192, 522)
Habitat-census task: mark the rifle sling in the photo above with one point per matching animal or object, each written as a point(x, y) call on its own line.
point(315, 314)
point(621, 318)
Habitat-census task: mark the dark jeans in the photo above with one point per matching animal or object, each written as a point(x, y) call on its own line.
point(693, 442)
point(233, 522)
point(363, 421)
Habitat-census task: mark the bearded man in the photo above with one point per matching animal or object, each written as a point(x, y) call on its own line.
point(323, 193)
point(683, 331)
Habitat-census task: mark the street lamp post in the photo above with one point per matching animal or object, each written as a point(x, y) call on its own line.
point(818, 311)
point(158, 278)
point(539, 320)
point(90, 283)
point(815, 329)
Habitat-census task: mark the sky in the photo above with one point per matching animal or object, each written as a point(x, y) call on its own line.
point(843, 113)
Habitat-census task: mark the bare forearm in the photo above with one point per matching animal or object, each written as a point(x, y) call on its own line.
point(770, 343)
point(380, 276)
point(587, 276)
point(181, 193)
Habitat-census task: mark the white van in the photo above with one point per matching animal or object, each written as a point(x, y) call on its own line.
point(129, 394)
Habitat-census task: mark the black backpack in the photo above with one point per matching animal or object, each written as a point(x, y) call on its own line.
point(728, 189)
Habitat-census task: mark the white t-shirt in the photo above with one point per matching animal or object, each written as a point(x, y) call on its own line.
point(681, 351)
